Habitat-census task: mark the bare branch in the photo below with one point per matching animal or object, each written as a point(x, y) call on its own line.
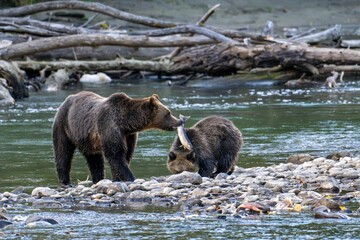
point(186, 29)
point(331, 33)
point(201, 22)
point(88, 6)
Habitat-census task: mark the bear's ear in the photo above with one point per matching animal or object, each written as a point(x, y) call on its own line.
point(191, 156)
point(155, 96)
point(154, 101)
point(172, 156)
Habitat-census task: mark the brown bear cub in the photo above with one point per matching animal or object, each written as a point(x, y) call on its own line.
point(105, 127)
point(210, 147)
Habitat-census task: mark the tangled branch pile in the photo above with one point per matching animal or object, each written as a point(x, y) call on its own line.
point(163, 47)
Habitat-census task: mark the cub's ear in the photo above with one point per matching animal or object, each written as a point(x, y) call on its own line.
point(172, 156)
point(155, 96)
point(154, 101)
point(191, 156)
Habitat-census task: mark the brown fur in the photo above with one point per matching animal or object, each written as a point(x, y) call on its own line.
point(105, 127)
point(216, 143)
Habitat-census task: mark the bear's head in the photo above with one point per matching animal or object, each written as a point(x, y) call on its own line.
point(161, 117)
point(180, 160)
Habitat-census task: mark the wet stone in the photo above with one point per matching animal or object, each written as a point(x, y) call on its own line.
point(4, 223)
point(276, 184)
point(338, 155)
point(199, 192)
point(47, 204)
point(117, 187)
point(336, 172)
point(18, 190)
point(221, 176)
point(299, 158)
point(185, 177)
point(43, 192)
point(349, 173)
point(138, 194)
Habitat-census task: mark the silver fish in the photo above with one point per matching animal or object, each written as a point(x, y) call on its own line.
point(186, 144)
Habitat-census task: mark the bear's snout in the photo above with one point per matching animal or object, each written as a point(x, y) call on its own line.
point(178, 123)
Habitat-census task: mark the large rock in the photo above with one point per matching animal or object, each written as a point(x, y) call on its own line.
point(185, 177)
point(299, 158)
point(116, 187)
point(4, 223)
point(36, 219)
point(43, 192)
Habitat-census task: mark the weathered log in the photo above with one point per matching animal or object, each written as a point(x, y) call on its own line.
point(14, 79)
point(117, 64)
point(5, 97)
point(327, 68)
point(350, 43)
point(39, 45)
point(224, 59)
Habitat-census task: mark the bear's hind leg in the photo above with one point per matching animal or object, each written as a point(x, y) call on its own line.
point(63, 151)
point(206, 168)
point(96, 165)
point(225, 165)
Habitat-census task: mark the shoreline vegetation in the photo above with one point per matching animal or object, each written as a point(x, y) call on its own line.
point(327, 188)
point(63, 36)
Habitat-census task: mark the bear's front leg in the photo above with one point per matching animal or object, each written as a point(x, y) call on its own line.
point(131, 140)
point(115, 153)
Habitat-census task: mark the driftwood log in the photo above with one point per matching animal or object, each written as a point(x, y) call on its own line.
point(190, 49)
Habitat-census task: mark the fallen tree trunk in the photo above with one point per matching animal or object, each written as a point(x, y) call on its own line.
point(117, 64)
point(14, 79)
point(32, 47)
point(224, 59)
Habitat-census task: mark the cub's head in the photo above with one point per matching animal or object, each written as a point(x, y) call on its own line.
point(182, 160)
point(161, 117)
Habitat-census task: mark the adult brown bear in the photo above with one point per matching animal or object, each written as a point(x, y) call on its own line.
point(105, 127)
point(210, 147)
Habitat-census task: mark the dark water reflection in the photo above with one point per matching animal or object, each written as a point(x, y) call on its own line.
point(276, 122)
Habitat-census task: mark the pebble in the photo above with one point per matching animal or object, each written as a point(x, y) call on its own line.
point(283, 187)
point(185, 177)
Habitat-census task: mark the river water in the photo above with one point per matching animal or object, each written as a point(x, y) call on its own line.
point(275, 121)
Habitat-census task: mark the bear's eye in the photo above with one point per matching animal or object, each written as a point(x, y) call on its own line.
point(191, 156)
point(172, 156)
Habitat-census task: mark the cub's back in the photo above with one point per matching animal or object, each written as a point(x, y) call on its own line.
point(216, 126)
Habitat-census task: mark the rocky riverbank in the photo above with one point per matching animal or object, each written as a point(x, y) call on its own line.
point(330, 188)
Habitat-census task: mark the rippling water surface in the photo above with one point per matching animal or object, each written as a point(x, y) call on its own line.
point(276, 122)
